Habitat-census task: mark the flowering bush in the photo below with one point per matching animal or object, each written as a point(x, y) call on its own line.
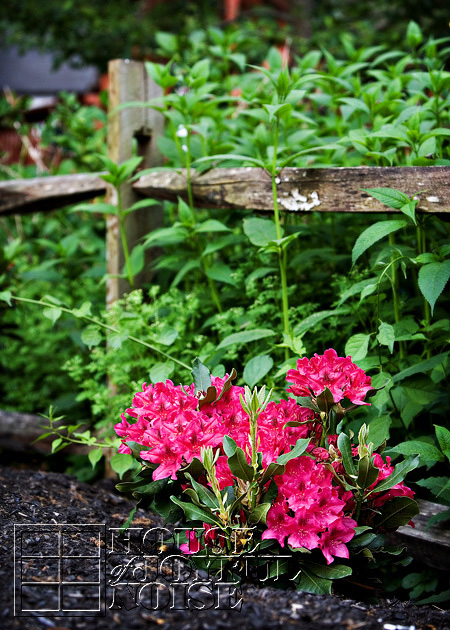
point(272, 473)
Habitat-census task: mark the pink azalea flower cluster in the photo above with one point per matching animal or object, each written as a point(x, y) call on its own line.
point(308, 510)
point(342, 377)
point(173, 430)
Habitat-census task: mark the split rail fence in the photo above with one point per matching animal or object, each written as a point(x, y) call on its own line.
point(333, 189)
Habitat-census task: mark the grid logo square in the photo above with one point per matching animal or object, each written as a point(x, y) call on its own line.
point(60, 569)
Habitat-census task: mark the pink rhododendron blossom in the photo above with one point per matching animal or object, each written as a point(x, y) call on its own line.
point(342, 377)
point(332, 542)
point(193, 545)
point(123, 448)
point(312, 509)
point(308, 510)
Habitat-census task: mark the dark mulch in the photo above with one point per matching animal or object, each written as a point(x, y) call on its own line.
point(30, 497)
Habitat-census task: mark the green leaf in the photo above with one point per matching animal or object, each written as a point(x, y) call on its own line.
point(311, 583)
point(204, 494)
point(195, 468)
point(245, 336)
point(200, 69)
point(161, 371)
point(260, 232)
point(389, 196)
point(239, 466)
point(272, 469)
point(429, 454)
point(56, 443)
point(374, 233)
point(211, 225)
point(91, 336)
point(150, 489)
point(220, 272)
point(185, 269)
point(386, 336)
point(409, 209)
point(53, 314)
point(167, 41)
point(95, 456)
point(115, 340)
point(357, 346)
point(296, 451)
point(439, 486)
point(201, 376)
point(379, 430)
point(396, 512)
point(345, 446)
point(129, 520)
point(99, 207)
point(325, 400)
point(422, 366)
point(185, 213)
point(313, 320)
point(443, 438)
point(414, 35)
point(167, 336)
point(333, 572)
point(121, 462)
point(6, 296)
point(432, 280)
point(307, 402)
point(276, 111)
point(439, 518)
point(196, 513)
point(143, 203)
point(399, 473)
point(83, 311)
point(229, 446)
point(137, 260)
point(257, 368)
point(259, 514)
point(127, 168)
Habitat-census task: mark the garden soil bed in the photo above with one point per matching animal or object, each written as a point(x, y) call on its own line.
point(30, 499)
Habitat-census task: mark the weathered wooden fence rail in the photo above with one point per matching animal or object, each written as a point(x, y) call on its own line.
point(300, 189)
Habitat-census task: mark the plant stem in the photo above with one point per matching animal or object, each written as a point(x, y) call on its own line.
point(123, 237)
point(421, 247)
point(189, 174)
point(97, 322)
point(282, 256)
point(394, 285)
point(211, 283)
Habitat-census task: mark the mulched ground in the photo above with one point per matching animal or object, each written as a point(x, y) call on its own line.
point(29, 498)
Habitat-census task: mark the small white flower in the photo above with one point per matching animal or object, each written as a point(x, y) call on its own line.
point(182, 132)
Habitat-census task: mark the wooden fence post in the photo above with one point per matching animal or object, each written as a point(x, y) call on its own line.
point(129, 81)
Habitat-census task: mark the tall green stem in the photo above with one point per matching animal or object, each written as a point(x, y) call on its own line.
point(421, 247)
point(394, 284)
point(123, 237)
point(211, 283)
point(282, 256)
